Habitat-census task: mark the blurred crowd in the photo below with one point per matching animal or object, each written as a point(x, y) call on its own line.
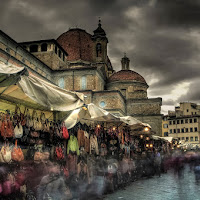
point(94, 176)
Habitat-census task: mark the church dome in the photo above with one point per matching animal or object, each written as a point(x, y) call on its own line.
point(126, 75)
point(78, 44)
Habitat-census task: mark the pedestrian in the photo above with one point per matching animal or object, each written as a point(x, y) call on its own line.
point(52, 186)
point(157, 162)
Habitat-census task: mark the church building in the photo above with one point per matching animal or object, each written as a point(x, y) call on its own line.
point(78, 61)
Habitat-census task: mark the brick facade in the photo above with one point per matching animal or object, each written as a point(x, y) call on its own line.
point(84, 71)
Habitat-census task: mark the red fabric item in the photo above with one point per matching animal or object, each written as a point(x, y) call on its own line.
point(64, 130)
point(7, 188)
point(7, 129)
point(20, 178)
point(59, 153)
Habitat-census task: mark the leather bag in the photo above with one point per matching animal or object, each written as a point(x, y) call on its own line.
point(5, 154)
point(18, 130)
point(59, 153)
point(35, 134)
point(17, 154)
point(7, 129)
point(37, 124)
point(64, 131)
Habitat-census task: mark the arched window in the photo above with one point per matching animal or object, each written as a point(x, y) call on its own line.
point(63, 57)
point(56, 49)
point(61, 83)
point(83, 83)
point(44, 47)
point(59, 53)
point(34, 48)
point(98, 49)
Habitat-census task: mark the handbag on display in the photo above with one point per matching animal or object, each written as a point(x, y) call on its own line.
point(23, 117)
point(26, 132)
point(18, 130)
point(35, 134)
point(5, 154)
point(64, 131)
point(42, 120)
point(7, 129)
point(59, 153)
point(37, 124)
point(17, 154)
point(29, 119)
point(46, 126)
point(16, 115)
point(57, 130)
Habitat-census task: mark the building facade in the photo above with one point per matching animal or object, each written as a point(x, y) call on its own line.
point(78, 61)
point(165, 126)
point(184, 122)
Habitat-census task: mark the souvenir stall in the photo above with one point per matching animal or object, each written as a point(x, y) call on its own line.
point(29, 129)
point(99, 136)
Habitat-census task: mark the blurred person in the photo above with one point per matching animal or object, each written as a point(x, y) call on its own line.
point(83, 175)
point(52, 186)
point(157, 162)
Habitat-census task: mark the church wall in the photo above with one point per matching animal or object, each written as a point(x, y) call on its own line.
point(13, 53)
point(113, 100)
point(129, 89)
point(144, 107)
point(51, 59)
point(154, 121)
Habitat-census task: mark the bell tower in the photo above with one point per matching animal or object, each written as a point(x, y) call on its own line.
point(125, 62)
point(100, 44)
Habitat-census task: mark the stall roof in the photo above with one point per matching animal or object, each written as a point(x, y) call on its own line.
point(92, 112)
point(28, 89)
point(169, 139)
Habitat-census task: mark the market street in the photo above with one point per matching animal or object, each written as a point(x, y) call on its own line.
point(167, 187)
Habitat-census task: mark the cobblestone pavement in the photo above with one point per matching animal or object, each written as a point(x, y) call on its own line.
point(166, 187)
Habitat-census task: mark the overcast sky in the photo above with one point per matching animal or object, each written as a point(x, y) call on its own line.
point(161, 37)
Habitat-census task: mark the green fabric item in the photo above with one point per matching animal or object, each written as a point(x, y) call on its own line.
point(73, 145)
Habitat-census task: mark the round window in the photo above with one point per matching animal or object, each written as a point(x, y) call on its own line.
point(102, 104)
point(61, 83)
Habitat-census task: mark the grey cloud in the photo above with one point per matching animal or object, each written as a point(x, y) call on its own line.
point(158, 43)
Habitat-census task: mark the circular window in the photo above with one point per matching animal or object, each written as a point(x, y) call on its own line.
point(102, 104)
point(61, 83)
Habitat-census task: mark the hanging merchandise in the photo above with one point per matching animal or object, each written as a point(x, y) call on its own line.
point(29, 119)
point(46, 126)
point(72, 147)
point(57, 131)
point(5, 154)
point(87, 142)
point(37, 124)
point(81, 138)
point(94, 145)
point(16, 115)
point(40, 155)
point(59, 153)
point(64, 131)
point(18, 130)
point(7, 129)
point(35, 134)
point(17, 154)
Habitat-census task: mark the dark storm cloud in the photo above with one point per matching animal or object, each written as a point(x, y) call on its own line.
point(157, 35)
point(184, 13)
point(193, 93)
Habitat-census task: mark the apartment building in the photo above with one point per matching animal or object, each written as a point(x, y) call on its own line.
point(184, 122)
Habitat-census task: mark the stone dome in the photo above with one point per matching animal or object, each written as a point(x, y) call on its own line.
point(78, 44)
point(126, 75)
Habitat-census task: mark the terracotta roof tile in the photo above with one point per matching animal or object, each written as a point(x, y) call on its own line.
point(78, 44)
point(126, 75)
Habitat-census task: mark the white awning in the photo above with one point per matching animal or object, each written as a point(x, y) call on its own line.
point(89, 112)
point(38, 90)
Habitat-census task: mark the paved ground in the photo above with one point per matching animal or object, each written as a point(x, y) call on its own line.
point(166, 187)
